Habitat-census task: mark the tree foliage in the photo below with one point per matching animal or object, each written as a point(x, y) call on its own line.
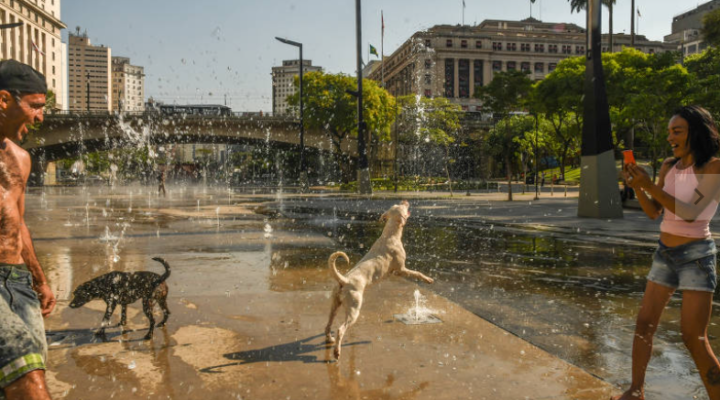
point(711, 28)
point(430, 120)
point(328, 105)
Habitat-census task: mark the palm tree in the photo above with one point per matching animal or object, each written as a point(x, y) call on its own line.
point(579, 5)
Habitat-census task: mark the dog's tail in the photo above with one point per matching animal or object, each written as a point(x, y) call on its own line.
point(164, 276)
point(342, 280)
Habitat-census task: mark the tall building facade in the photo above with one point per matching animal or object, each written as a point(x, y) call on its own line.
point(89, 67)
point(687, 27)
point(37, 42)
point(128, 85)
point(282, 82)
point(454, 61)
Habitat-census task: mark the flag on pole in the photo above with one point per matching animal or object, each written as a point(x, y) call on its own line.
point(638, 10)
point(36, 47)
point(463, 3)
point(373, 50)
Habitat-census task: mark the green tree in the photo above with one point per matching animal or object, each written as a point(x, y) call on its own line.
point(507, 92)
point(430, 120)
point(328, 105)
point(705, 70)
point(711, 28)
point(559, 98)
point(507, 141)
point(579, 5)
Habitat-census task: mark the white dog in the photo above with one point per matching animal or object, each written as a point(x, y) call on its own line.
point(387, 255)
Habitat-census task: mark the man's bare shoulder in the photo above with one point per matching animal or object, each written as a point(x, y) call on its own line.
point(21, 156)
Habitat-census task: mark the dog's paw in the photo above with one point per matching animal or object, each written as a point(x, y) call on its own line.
point(336, 353)
point(160, 325)
point(329, 340)
point(149, 336)
point(429, 280)
point(100, 332)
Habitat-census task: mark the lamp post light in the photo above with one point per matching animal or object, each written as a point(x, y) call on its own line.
point(13, 25)
point(304, 184)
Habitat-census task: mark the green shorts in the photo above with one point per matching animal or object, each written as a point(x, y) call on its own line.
point(23, 347)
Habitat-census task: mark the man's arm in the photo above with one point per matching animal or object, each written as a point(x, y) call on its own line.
point(47, 298)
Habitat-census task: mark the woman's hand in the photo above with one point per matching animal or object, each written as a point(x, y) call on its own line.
point(636, 177)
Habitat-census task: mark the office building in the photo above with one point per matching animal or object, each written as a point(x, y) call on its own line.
point(687, 27)
point(282, 82)
point(128, 86)
point(37, 42)
point(454, 61)
point(89, 75)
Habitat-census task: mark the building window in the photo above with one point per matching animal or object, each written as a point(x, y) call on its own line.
point(539, 68)
point(551, 67)
point(539, 48)
point(448, 43)
point(463, 44)
point(428, 43)
point(553, 48)
point(497, 46)
point(428, 93)
point(579, 49)
point(511, 46)
point(511, 66)
point(478, 44)
point(464, 78)
point(428, 63)
point(477, 74)
point(525, 67)
point(497, 65)
point(449, 78)
point(428, 79)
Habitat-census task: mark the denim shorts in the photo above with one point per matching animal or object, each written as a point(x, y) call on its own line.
point(687, 267)
point(23, 347)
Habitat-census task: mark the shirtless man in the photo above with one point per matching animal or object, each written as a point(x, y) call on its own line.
point(25, 296)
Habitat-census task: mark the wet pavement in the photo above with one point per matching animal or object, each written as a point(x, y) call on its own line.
point(534, 305)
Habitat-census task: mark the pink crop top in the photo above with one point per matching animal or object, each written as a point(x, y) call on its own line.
point(681, 184)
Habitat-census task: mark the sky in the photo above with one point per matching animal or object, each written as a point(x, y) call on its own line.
point(213, 50)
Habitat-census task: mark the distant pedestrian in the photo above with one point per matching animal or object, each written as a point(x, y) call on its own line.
point(161, 183)
point(542, 179)
point(686, 197)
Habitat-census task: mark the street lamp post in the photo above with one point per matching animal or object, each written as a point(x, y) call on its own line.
point(303, 169)
point(364, 185)
point(536, 155)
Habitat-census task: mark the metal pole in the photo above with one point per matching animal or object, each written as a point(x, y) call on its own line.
point(303, 168)
point(364, 184)
point(536, 160)
point(632, 24)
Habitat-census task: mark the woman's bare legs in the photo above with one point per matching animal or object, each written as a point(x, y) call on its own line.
point(653, 303)
point(695, 317)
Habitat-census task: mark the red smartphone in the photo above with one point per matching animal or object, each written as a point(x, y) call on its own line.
point(628, 157)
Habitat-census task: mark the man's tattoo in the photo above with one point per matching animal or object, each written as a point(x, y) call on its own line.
point(713, 375)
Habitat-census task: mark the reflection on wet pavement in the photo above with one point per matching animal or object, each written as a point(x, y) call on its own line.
point(231, 275)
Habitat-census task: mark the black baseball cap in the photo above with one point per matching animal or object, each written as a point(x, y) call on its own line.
point(19, 77)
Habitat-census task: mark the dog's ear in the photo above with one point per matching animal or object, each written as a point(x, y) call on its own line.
point(384, 217)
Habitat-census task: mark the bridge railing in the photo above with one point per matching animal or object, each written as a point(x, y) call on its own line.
point(154, 114)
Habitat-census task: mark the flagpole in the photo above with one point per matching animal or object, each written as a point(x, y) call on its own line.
point(463, 13)
point(382, 50)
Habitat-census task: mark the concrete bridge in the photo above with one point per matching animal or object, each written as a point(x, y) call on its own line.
point(65, 135)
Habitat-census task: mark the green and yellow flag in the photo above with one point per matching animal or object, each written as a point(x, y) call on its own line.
point(373, 50)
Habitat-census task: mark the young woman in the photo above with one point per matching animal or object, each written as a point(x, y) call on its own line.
point(686, 197)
